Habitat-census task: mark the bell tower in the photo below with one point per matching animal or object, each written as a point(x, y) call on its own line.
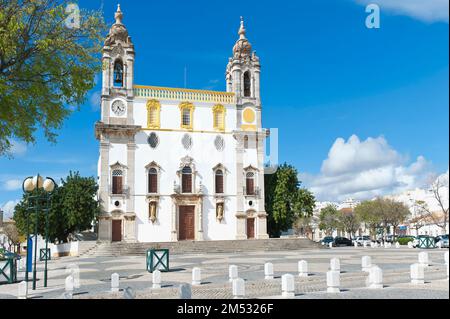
point(118, 74)
point(243, 70)
point(243, 79)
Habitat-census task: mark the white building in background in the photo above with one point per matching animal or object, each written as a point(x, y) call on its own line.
point(411, 197)
point(180, 164)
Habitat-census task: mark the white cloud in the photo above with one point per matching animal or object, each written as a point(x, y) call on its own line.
point(365, 169)
point(96, 100)
point(12, 184)
point(18, 148)
point(8, 208)
point(424, 10)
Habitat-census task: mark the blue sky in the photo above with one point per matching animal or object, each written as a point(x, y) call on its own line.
point(360, 112)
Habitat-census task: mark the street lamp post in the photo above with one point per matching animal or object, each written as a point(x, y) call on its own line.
point(30, 185)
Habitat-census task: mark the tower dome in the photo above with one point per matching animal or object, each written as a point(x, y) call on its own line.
point(242, 48)
point(118, 32)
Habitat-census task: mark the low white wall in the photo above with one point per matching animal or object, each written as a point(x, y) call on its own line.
point(63, 250)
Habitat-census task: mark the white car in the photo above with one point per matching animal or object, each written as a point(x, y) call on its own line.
point(362, 239)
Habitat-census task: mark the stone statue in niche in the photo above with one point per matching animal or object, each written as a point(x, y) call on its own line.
point(153, 217)
point(220, 211)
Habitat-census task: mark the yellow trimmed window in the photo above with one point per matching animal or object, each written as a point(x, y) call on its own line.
point(187, 115)
point(219, 117)
point(153, 114)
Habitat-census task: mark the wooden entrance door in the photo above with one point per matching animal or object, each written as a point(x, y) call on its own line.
point(251, 228)
point(116, 230)
point(187, 223)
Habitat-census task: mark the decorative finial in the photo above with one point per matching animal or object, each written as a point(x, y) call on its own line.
point(242, 29)
point(119, 15)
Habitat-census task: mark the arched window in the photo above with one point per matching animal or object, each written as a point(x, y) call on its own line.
point(219, 182)
point(186, 180)
point(117, 182)
point(152, 181)
point(187, 113)
point(219, 117)
point(250, 184)
point(247, 84)
point(118, 73)
point(246, 142)
point(153, 110)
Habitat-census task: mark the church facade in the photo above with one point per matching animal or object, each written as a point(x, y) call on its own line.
point(180, 164)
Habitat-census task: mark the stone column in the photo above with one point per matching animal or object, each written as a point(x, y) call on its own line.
point(104, 174)
point(200, 220)
point(241, 226)
point(262, 216)
point(105, 228)
point(241, 232)
point(174, 220)
point(130, 229)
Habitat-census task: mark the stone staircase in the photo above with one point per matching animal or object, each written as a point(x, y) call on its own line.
point(200, 247)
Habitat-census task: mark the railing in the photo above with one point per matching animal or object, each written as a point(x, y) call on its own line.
point(256, 192)
point(125, 191)
point(162, 93)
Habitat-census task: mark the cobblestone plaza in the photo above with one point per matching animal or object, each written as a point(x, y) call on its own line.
point(95, 275)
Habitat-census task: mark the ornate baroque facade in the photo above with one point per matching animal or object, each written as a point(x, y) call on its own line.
point(179, 164)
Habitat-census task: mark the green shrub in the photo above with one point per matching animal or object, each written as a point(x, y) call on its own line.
point(405, 241)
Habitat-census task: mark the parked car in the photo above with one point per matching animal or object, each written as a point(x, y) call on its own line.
point(342, 241)
point(443, 239)
point(418, 238)
point(327, 240)
point(360, 240)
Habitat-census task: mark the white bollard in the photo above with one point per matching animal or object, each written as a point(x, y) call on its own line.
point(233, 273)
point(335, 264)
point(386, 245)
point(156, 279)
point(330, 245)
point(410, 245)
point(397, 245)
point(417, 274)
point(69, 285)
point(439, 245)
point(303, 268)
point(238, 288)
point(366, 263)
point(365, 244)
point(355, 244)
point(196, 276)
point(333, 281)
point(424, 259)
point(22, 290)
point(288, 286)
point(115, 279)
point(74, 271)
point(376, 278)
point(268, 271)
point(76, 276)
point(446, 257)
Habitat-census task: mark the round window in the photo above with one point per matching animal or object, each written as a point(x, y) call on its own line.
point(219, 143)
point(187, 141)
point(153, 140)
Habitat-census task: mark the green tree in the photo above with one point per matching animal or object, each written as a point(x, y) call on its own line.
point(73, 208)
point(328, 219)
point(286, 201)
point(46, 66)
point(368, 213)
point(348, 221)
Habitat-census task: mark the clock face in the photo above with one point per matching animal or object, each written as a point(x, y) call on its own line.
point(118, 107)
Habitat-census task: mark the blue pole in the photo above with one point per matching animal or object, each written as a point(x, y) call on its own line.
point(30, 255)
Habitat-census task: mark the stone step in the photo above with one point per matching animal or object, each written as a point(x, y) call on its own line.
point(140, 249)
